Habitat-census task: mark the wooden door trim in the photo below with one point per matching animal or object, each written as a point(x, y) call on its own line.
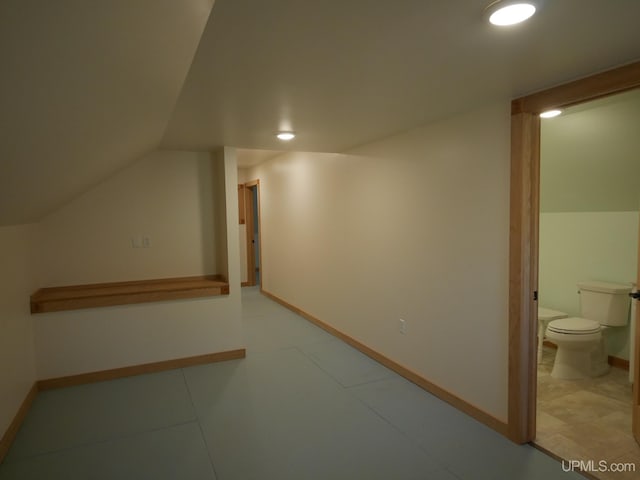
point(250, 214)
point(523, 231)
point(635, 428)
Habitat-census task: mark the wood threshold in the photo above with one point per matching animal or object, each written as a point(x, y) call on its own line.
point(10, 435)
point(557, 457)
point(76, 297)
point(457, 402)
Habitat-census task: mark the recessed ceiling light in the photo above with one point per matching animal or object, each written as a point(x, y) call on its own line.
point(286, 136)
point(550, 113)
point(504, 12)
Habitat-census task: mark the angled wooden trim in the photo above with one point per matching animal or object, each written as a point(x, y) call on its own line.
point(523, 234)
point(10, 435)
point(103, 375)
point(405, 372)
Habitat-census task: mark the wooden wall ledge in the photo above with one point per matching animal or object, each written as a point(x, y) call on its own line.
point(124, 293)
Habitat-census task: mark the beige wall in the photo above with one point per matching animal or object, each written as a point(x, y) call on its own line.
point(415, 227)
point(166, 196)
point(17, 360)
point(175, 195)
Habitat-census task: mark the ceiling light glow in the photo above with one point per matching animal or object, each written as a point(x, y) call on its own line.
point(504, 13)
point(286, 136)
point(550, 113)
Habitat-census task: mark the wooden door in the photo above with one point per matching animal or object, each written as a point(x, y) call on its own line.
point(635, 408)
point(251, 242)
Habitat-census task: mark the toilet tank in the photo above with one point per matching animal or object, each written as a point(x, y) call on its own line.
point(606, 303)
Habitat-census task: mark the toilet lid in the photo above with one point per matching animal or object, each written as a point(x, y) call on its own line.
point(575, 326)
point(547, 314)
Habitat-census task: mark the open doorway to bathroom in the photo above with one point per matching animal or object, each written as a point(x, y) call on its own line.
point(588, 231)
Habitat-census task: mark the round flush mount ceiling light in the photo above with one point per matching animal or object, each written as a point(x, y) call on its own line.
point(550, 113)
point(504, 12)
point(286, 136)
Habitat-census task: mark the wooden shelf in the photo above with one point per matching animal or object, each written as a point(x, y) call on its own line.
point(76, 297)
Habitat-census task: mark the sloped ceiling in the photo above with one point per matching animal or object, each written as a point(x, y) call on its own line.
point(86, 87)
point(343, 73)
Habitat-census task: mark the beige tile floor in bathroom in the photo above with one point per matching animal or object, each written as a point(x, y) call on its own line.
point(587, 419)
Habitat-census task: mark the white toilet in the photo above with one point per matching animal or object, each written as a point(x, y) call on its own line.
point(581, 352)
point(546, 315)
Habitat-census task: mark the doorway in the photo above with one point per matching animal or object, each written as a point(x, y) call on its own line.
point(588, 231)
point(524, 234)
point(249, 207)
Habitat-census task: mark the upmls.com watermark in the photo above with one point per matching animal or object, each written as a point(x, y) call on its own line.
point(597, 466)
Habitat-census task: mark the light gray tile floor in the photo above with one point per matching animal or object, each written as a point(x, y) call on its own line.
point(302, 405)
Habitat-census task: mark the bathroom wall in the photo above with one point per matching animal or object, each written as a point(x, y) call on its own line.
point(414, 226)
point(577, 246)
point(590, 199)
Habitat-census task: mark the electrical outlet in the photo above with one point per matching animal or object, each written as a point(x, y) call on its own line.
point(403, 326)
point(136, 242)
point(146, 242)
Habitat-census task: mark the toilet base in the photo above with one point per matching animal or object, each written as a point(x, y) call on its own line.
point(573, 363)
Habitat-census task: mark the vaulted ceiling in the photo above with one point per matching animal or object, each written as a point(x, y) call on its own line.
point(87, 87)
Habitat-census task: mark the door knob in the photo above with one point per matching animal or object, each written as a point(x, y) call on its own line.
point(635, 294)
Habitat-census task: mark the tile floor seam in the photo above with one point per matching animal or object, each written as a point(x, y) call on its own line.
point(317, 363)
point(323, 370)
point(97, 442)
point(195, 411)
point(412, 440)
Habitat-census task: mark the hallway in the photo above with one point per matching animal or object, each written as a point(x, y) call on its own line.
point(302, 405)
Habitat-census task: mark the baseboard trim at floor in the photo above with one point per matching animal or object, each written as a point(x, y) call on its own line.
point(114, 373)
point(10, 435)
point(613, 361)
point(450, 398)
point(92, 377)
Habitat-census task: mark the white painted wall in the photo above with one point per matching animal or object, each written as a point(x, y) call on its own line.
point(80, 341)
point(17, 358)
point(578, 246)
point(416, 227)
point(167, 196)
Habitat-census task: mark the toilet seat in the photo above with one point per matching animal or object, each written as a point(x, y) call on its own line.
point(574, 326)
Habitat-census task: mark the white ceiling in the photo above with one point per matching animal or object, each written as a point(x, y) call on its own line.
point(343, 73)
point(88, 87)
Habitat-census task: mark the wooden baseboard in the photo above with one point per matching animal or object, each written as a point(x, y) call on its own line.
point(613, 361)
point(457, 402)
point(91, 377)
point(114, 373)
point(619, 363)
point(10, 435)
